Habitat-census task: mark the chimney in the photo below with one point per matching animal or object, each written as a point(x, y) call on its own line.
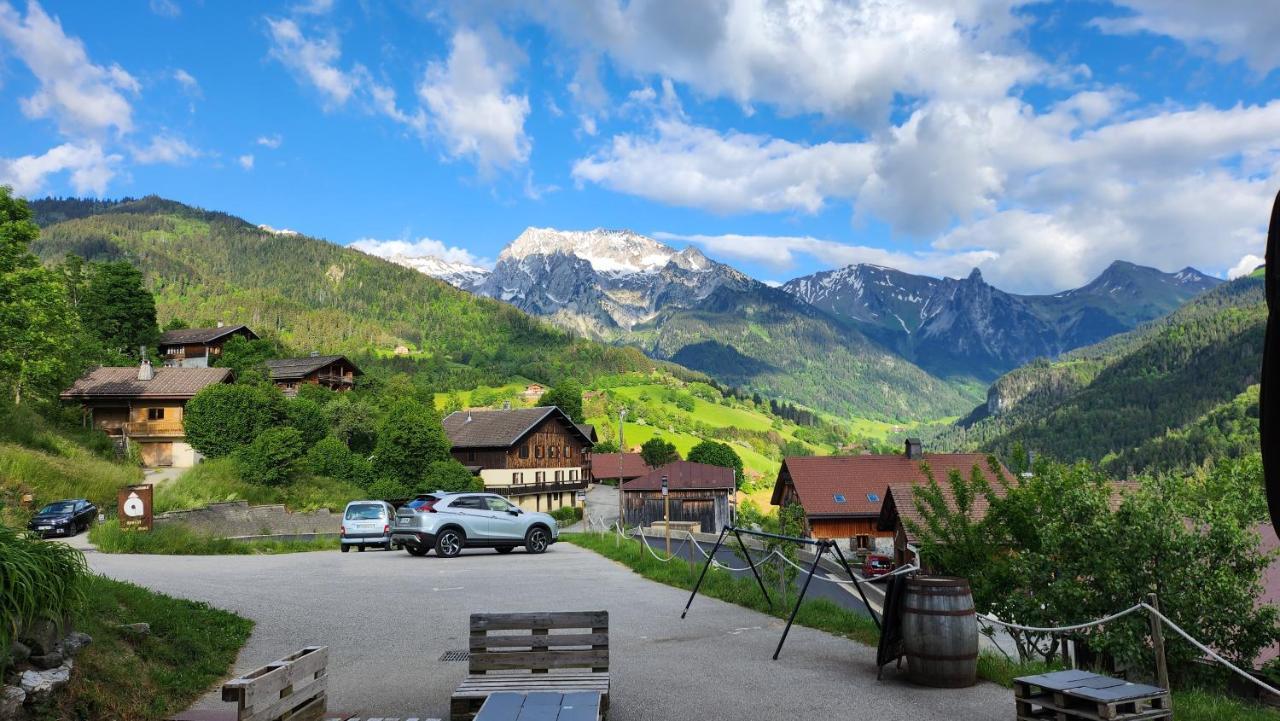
point(219, 324)
point(145, 371)
point(915, 449)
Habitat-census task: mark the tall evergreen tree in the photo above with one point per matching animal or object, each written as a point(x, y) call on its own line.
point(118, 308)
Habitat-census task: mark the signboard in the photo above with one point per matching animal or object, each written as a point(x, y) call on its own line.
point(664, 485)
point(134, 508)
point(582, 496)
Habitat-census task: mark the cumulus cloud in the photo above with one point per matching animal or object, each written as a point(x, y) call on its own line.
point(89, 168)
point(165, 8)
point(1232, 29)
point(245, 161)
point(471, 107)
point(313, 60)
point(270, 141)
point(1247, 265)
point(165, 148)
point(79, 95)
point(419, 248)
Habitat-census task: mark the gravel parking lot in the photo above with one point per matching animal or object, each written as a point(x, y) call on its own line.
point(388, 618)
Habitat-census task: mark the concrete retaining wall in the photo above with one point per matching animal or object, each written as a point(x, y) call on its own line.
point(238, 518)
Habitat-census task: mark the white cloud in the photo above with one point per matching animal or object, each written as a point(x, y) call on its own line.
point(1235, 29)
point(165, 148)
point(312, 59)
point(245, 161)
point(418, 248)
point(188, 82)
point(165, 8)
point(90, 169)
point(80, 96)
point(1247, 265)
point(471, 107)
point(314, 7)
point(270, 141)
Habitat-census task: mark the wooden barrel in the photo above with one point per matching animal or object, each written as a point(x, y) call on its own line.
point(940, 632)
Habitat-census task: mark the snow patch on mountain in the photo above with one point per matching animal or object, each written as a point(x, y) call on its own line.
point(617, 252)
point(461, 275)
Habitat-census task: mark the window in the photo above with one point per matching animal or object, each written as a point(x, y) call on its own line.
point(838, 498)
point(537, 451)
point(559, 476)
point(524, 451)
point(573, 475)
point(540, 476)
point(517, 478)
point(552, 451)
point(873, 497)
point(475, 503)
point(155, 414)
point(568, 451)
point(863, 542)
point(498, 504)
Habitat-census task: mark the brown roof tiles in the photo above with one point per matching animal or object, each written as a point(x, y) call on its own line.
point(682, 475)
point(123, 383)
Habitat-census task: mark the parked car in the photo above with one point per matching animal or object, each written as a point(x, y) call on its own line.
point(64, 518)
point(876, 566)
point(367, 524)
point(449, 522)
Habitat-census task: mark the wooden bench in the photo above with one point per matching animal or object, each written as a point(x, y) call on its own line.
point(522, 653)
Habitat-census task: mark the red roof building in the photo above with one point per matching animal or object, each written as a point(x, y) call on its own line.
point(842, 495)
point(621, 466)
point(697, 496)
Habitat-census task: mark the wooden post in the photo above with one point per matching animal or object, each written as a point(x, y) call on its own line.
point(666, 520)
point(1157, 645)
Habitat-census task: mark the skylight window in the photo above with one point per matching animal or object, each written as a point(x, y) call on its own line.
point(873, 497)
point(839, 498)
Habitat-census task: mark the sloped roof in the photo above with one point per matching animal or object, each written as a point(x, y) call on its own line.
point(683, 475)
point(900, 502)
point(589, 431)
point(861, 480)
point(501, 428)
point(618, 465)
point(123, 383)
point(200, 335)
point(289, 368)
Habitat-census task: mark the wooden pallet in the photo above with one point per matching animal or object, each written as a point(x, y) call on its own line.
point(1089, 698)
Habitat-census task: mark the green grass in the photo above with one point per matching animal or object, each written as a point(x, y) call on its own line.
point(180, 541)
point(191, 647)
point(218, 480)
point(70, 472)
point(817, 613)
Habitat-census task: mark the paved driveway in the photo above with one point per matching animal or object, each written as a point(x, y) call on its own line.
point(388, 617)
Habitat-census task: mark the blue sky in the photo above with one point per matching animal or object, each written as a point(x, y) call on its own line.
point(1037, 141)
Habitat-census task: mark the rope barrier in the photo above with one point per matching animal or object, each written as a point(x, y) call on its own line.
point(1063, 629)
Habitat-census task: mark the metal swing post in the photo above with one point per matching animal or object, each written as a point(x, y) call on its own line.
point(800, 599)
point(856, 584)
point(752, 566)
point(703, 575)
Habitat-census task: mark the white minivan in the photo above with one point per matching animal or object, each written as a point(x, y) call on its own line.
point(367, 524)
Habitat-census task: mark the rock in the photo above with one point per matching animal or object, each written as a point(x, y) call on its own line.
point(19, 652)
point(11, 700)
point(136, 630)
point(74, 642)
point(38, 685)
point(47, 661)
point(41, 637)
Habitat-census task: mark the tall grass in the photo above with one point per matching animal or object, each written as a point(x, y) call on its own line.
point(72, 473)
point(39, 580)
point(181, 541)
point(218, 480)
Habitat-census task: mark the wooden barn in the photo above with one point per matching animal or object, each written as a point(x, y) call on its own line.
point(699, 493)
point(331, 371)
point(842, 495)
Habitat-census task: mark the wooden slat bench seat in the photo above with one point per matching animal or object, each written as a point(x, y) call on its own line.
point(524, 653)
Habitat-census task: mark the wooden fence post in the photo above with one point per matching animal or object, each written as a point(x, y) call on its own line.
point(1157, 645)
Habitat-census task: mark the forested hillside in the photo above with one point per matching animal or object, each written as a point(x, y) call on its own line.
point(204, 267)
point(1167, 395)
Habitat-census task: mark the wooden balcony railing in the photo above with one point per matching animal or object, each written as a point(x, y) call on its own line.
point(154, 428)
point(520, 489)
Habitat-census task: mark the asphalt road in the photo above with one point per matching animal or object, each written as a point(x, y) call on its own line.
point(388, 618)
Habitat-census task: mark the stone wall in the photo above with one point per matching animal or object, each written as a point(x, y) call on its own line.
point(237, 518)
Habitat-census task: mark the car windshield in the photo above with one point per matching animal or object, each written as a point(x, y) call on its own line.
point(420, 502)
point(878, 563)
point(364, 512)
point(57, 508)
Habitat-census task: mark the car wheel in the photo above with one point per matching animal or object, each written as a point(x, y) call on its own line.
point(345, 548)
point(505, 549)
point(537, 540)
point(390, 546)
point(449, 543)
point(362, 549)
point(416, 550)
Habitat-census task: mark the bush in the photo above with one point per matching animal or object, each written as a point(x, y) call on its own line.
point(331, 457)
point(270, 459)
point(222, 419)
point(219, 480)
point(389, 489)
point(718, 454)
point(449, 475)
point(567, 515)
point(41, 581)
point(306, 416)
point(410, 438)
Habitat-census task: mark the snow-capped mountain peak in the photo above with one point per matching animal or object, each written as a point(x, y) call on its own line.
point(462, 275)
point(618, 252)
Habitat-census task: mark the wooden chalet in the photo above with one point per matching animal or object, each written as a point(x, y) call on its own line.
point(196, 347)
point(697, 492)
point(620, 467)
point(537, 457)
point(331, 371)
point(842, 495)
point(144, 406)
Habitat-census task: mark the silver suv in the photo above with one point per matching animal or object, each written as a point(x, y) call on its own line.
point(448, 522)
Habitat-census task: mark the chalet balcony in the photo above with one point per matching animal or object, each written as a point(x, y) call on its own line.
point(139, 429)
point(524, 489)
point(335, 381)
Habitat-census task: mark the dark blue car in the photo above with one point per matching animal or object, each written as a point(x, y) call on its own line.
point(64, 518)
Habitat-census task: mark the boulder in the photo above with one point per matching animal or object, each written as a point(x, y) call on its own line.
point(74, 642)
point(39, 685)
point(19, 652)
point(41, 637)
point(11, 700)
point(136, 630)
point(46, 661)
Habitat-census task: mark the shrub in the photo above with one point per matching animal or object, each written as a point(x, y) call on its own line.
point(331, 457)
point(449, 475)
point(270, 458)
point(410, 438)
point(567, 515)
point(718, 454)
point(41, 581)
point(657, 452)
point(306, 416)
point(222, 419)
point(389, 489)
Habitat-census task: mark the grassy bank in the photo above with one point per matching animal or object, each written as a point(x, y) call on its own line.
point(818, 613)
point(218, 480)
point(190, 648)
point(180, 541)
point(61, 469)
